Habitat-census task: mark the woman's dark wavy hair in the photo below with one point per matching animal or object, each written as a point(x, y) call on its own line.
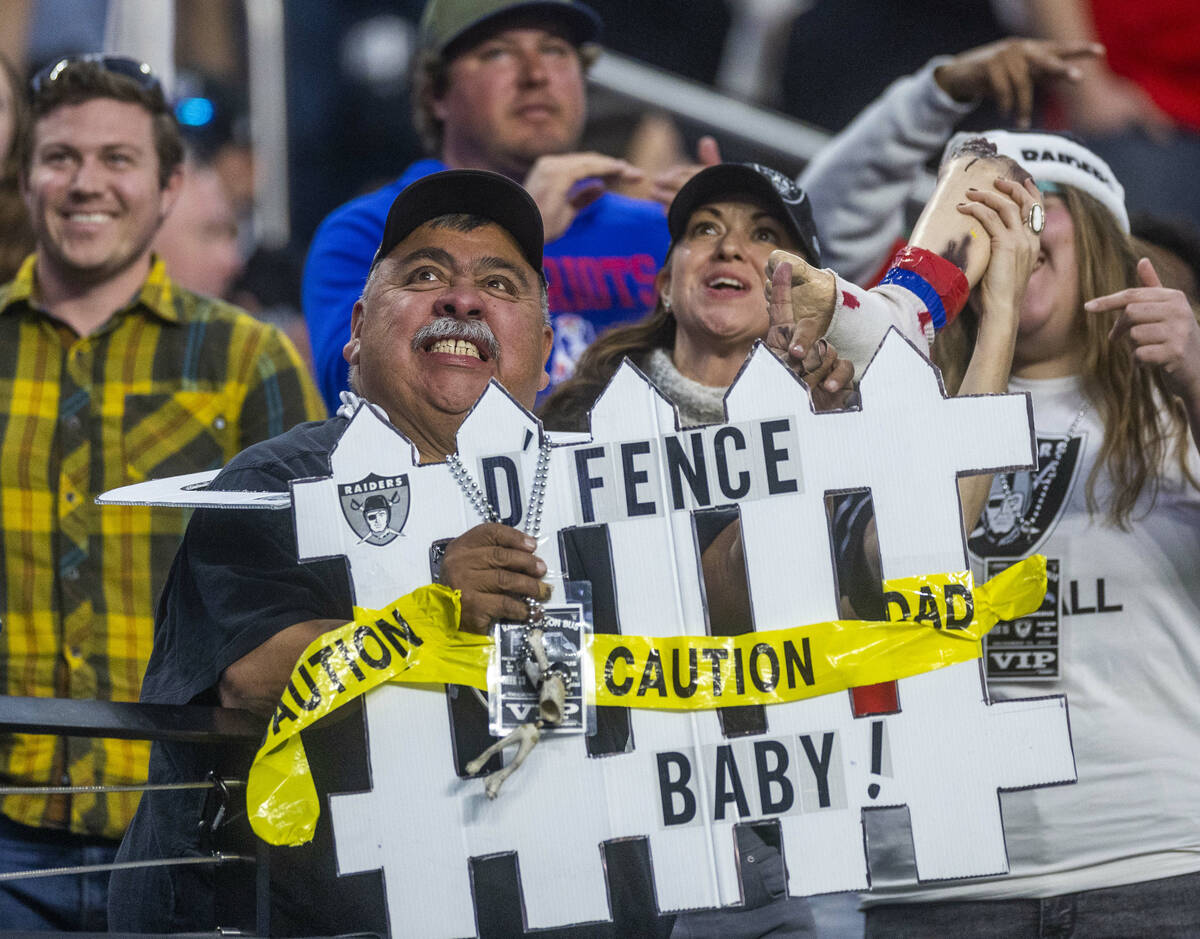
point(567, 407)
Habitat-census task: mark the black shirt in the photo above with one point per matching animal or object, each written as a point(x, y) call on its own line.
point(236, 582)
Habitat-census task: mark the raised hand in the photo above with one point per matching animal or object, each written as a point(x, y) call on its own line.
point(816, 362)
point(1004, 213)
point(565, 184)
point(494, 568)
point(1007, 71)
point(1160, 330)
point(668, 183)
point(811, 294)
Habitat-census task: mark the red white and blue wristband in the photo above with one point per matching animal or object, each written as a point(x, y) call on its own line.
point(939, 283)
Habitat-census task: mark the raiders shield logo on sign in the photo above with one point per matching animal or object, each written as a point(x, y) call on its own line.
point(376, 507)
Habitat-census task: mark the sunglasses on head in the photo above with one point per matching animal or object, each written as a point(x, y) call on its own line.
point(138, 72)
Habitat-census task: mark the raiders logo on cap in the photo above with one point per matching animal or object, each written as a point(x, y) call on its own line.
point(788, 191)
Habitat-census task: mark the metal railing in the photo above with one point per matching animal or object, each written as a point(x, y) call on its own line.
point(688, 100)
point(223, 727)
point(762, 129)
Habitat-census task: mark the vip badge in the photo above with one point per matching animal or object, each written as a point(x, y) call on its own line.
point(376, 507)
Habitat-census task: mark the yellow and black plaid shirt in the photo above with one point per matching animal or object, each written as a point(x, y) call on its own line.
point(172, 383)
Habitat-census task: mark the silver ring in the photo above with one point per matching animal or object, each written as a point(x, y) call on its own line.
point(1037, 218)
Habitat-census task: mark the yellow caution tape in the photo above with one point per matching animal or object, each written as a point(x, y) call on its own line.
point(933, 621)
point(416, 639)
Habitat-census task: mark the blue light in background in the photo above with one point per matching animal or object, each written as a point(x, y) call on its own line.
point(194, 112)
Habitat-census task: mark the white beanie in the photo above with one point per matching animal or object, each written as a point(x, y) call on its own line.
point(1056, 159)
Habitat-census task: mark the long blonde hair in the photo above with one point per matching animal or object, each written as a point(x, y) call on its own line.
point(1144, 424)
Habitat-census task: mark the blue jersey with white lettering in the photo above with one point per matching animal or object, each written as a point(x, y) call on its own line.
point(600, 271)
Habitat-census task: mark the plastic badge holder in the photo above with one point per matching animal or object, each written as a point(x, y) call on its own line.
point(567, 638)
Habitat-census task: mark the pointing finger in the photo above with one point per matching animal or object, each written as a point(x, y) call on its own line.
point(1147, 274)
point(1056, 59)
point(1001, 86)
point(1021, 83)
point(780, 307)
point(777, 257)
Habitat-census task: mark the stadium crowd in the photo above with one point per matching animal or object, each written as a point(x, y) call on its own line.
point(146, 336)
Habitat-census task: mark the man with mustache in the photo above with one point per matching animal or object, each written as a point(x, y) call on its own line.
point(455, 297)
point(499, 85)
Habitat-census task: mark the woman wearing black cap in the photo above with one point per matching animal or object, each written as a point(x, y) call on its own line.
point(711, 298)
point(711, 308)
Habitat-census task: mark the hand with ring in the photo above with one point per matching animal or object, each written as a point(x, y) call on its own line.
point(1011, 215)
point(1037, 218)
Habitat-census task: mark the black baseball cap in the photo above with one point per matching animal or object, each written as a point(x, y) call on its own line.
point(444, 22)
point(773, 187)
point(471, 192)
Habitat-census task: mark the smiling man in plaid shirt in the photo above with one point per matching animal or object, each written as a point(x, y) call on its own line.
point(109, 374)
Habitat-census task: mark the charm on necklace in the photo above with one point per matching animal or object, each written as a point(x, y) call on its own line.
point(550, 681)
